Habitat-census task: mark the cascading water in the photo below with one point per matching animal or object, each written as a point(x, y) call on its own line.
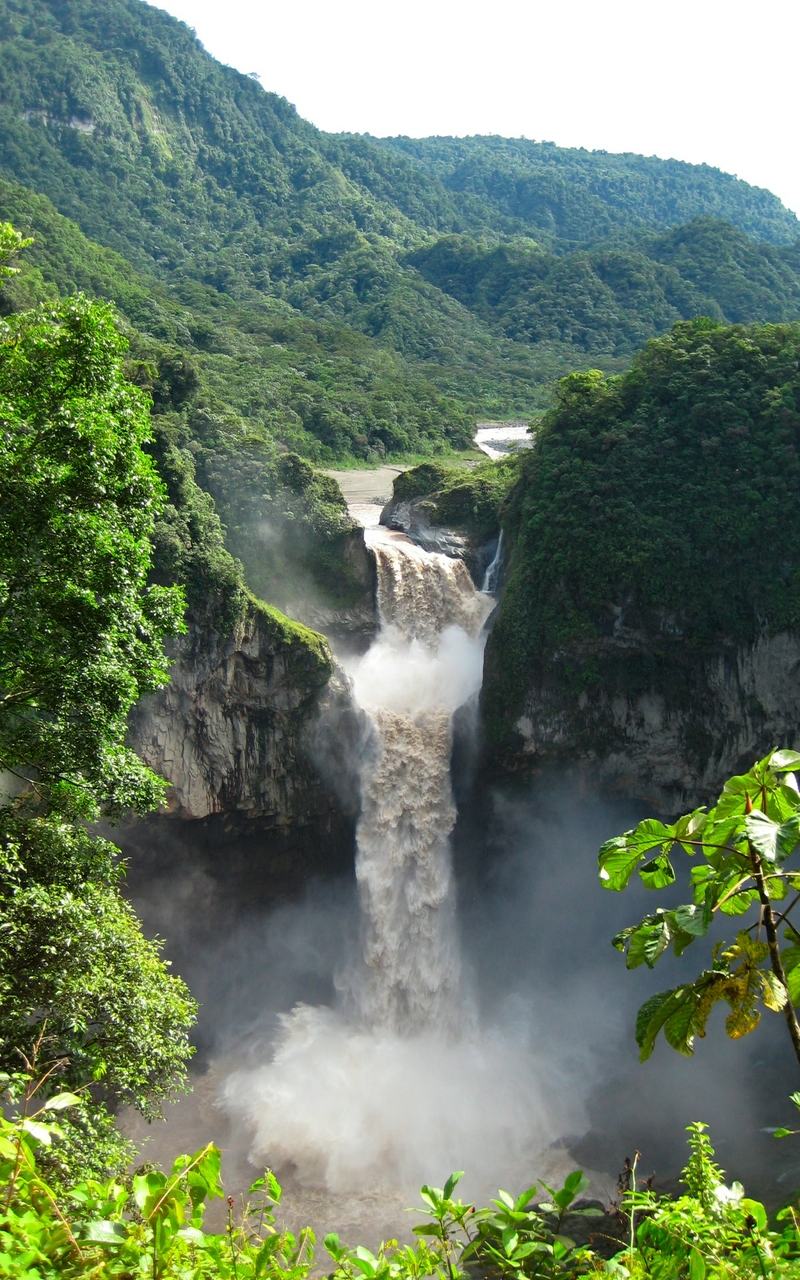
point(425, 663)
point(400, 1083)
point(491, 577)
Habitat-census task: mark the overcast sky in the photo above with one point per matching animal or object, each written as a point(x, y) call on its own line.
point(700, 80)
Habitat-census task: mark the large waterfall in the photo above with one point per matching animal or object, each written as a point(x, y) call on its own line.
point(403, 1081)
point(425, 663)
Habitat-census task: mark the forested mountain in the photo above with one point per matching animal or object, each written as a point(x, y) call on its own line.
point(351, 296)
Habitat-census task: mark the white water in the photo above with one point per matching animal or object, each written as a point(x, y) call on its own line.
point(496, 440)
point(400, 1084)
point(492, 574)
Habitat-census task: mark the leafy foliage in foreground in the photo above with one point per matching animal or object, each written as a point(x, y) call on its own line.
point(82, 634)
point(153, 1224)
point(746, 842)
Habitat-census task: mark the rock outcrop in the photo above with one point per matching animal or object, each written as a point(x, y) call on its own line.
point(414, 519)
point(661, 724)
point(245, 726)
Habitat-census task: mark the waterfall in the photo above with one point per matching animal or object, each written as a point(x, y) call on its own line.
point(400, 1081)
point(491, 578)
point(425, 663)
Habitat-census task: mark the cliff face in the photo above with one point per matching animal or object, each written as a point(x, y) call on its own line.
point(245, 726)
point(659, 725)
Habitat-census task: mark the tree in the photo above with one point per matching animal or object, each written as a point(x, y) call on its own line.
point(81, 632)
point(81, 639)
point(746, 841)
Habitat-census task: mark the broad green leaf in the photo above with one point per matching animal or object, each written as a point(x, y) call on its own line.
point(679, 1026)
point(690, 827)
point(617, 863)
point(61, 1101)
point(651, 1018)
point(105, 1232)
point(510, 1239)
point(691, 919)
point(756, 1210)
point(619, 857)
point(451, 1184)
point(738, 904)
point(697, 1266)
point(146, 1189)
point(658, 873)
point(525, 1197)
point(42, 1133)
point(784, 761)
point(193, 1234)
point(774, 993)
point(649, 941)
point(773, 841)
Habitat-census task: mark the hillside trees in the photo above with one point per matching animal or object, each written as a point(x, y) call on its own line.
point(654, 501)
point(81, 639)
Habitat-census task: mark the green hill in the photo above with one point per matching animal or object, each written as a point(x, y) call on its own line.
point(350, 296)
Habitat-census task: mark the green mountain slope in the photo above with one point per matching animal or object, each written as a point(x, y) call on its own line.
point(313, 279)
point(537, 188)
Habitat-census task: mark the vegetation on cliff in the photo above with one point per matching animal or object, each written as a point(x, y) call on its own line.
point(654, 503)
point(468, 499)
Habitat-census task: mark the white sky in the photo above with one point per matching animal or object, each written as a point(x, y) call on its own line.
point(700, 80)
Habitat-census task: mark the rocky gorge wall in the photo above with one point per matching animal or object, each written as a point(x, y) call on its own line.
point(257, 735)
point(660, 723)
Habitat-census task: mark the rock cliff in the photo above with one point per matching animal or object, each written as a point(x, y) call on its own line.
point(245, 726)
point(659, 725)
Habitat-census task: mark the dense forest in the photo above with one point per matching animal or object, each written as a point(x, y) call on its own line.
point(353, 297)
point(652, 505)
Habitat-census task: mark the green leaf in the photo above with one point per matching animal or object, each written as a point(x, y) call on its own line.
point(691, 919)
point(774, 842)
point(756, 1211)
point(784, 761)
point(193, 1234)
point(650, 1019)
point(619, 857)
point(679, 1027)
point(697, 1266)
point(649, 941)
point(61, 1101)
point(658, 873)
point(40, 1132)
point(333, 1245)
point(774, 993)
point(105, 1232)
point(451, 1184)
point(738, 904)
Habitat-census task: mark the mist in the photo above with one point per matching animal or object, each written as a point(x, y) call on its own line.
point(453, 1001)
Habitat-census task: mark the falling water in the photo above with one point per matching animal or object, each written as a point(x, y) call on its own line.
point(426, 662)
point(491, 577)
point(400, 1083)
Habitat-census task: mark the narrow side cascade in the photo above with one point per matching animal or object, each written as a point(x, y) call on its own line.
point(491, 577)
point(425, 663)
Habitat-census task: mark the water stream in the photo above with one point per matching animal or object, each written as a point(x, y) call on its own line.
point(400, 1083)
